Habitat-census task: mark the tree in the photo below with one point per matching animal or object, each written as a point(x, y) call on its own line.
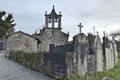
point(6, 23)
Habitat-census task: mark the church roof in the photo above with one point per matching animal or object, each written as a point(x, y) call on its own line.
point(58, 54)
point(24, 34)
point(53, 13)
point(62, 49)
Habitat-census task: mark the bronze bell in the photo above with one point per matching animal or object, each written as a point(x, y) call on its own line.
point(49, 20)
point(56, 19)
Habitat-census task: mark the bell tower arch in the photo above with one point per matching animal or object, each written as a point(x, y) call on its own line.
point(53, 20)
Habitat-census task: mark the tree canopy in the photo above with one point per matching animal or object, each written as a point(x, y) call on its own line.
point(6, 23)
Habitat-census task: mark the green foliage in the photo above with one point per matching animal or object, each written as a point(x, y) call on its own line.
point(6, 23)
point(114, 74)
point(30, 60)
point(65, 77)
point(34, 61)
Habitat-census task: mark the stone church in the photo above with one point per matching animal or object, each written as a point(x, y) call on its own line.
point(51, 34)
point(84, 54)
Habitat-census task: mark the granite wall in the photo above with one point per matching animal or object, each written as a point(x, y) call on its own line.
point(110, 53)
point(81, 49)
point(51, 36)
point(21, 42)
point(99, 54)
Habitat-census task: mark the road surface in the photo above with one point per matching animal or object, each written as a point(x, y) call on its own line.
point(10, 70)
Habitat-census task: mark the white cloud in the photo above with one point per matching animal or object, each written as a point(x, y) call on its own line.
point(29, 14)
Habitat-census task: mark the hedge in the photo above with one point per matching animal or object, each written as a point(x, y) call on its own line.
point(30, 60)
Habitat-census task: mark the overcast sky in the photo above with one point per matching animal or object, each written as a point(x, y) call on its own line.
point(29, 14)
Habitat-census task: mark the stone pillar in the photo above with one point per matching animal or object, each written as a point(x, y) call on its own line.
point(46, 22)
point(52, 22)
point(59, 22)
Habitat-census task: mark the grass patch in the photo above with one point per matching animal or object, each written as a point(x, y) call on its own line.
point(114, 74)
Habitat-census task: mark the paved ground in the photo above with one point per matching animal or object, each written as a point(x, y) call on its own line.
point(10, 70)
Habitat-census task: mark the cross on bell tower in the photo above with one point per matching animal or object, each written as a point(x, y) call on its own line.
point(53, 20)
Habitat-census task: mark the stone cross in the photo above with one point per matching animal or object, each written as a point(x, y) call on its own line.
point(94, 30)
point(80, 26)
point(35, 31)
point(104, 33)
point(68, 32)
point(79, 54)
point(97, 33)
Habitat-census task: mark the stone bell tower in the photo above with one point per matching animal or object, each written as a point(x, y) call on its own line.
point(53, 20)
point(51, 35)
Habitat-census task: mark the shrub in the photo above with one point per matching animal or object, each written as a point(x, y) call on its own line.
point(30, 60)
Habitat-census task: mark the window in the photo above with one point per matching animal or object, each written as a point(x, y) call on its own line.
point(51, 47)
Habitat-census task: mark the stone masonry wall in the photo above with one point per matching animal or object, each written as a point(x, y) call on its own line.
point(51, 36)
point(21, 42)
point(115, 52)
point(71, 63)
point(109, 59)
point(81, 53)
point(2, 45)
point(99, 54)
point(111, 56)
point(54, 65)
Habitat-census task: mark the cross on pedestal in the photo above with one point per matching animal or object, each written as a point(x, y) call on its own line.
point(104, 33)
point(80, 26)
point(97, 33)
point(94, 30)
